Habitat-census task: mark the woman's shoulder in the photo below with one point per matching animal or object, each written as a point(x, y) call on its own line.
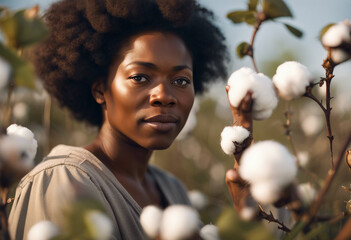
point(62, 160)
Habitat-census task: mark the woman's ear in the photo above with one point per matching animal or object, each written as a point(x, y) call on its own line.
point(97, 89)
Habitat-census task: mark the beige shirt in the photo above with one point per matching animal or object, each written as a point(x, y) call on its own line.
point(39, 195)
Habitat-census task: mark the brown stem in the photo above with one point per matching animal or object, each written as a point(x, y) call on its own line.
point(309, 215)
point(329, 68)
point(345, 232)
point(270, 218)
point(46, 122)
point(260, 19)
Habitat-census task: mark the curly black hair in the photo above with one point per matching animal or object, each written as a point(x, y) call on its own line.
point(87, 34)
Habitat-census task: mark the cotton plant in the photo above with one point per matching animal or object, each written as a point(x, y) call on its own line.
point(291, 80)
point(336, 38)
point(198, 199)
point(264, 97)
point(233, 137)
point(271, 170)
point(176, 222)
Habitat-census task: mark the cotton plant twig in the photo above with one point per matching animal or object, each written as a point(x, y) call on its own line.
point(270, 218)
point(312, 211)
point(328, 65)
point(261, 18)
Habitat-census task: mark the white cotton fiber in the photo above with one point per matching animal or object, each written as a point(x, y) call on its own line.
point(266, 192)
point(179, 222)
point(337, 34)
point(209, 232)
point(291, 80)
point(264, 97)
point(307, 193)
point(230, 135)
point(269, 167)
point(339, 55)
point(150, 219)
point(44, 230)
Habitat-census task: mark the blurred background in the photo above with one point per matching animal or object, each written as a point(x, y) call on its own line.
point(196, 157)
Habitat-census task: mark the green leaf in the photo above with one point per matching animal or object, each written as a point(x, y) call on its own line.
point(21, 31)
point(242, 49)
point(275, 9)
point(252, 5)
point(29, 30)
point(242, 16)
point(298, 33)
point(23, 71)
point(8, 26)
point(325, 29)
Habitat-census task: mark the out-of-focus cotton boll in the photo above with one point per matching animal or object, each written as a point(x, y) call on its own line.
point(100, 225)
point(15, 159)
point(307, 193)
point(291, 80)
point(20, 110)
point(311, 124)
point(44, 230)
point(150, 220)
point(248, 213)
point(269, 167)
point(5, 72)
point(179, 222)
point(337, 34)
point(264, 97)
point(198, 199)
point(209, 232)
point(339, 55)
point(230, 135)
point(266, 192)
point(25, 133)
point(303, 158)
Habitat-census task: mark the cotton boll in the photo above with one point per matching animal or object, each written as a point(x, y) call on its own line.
point(291, 80)
point(198, 199)
point(44, 230)
point(209, 232)
point(25, 133)
point(5, 72)
point(230, 135)
point(20, 110)
point(339, 55)
point(303, 158)
point(268, 161)
point(248, 213)
point(179, 222)
point(263, 93)
point(240, 83)
point(307, 193)
point(337, 34)
point(266, 192)
point(265, 99)
point(100, 225)
point(150, 219)
point(311, 124)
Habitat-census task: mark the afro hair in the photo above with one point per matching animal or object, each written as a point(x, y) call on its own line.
point(86, 35)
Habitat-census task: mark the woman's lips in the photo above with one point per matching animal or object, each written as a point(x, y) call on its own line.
point(161, 123)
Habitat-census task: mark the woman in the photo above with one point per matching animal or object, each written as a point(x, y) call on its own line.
point(131, 68)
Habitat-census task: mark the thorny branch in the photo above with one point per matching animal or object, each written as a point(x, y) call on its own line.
point(270, 218)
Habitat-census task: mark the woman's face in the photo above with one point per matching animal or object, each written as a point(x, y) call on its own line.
point(150, 93)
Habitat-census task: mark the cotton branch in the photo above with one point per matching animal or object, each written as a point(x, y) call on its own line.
point(329, 68)
point(270, 218)
point(311, 213)
point(261, 18)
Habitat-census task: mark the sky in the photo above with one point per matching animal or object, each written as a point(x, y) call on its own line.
point(273, 39)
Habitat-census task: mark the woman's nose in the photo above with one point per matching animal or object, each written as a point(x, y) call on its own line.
point(161, 95)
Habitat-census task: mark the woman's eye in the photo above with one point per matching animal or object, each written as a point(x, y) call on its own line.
point(139, 78)
point(182, 82)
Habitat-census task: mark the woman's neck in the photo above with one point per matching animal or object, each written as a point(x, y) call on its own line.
point(122, 156)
